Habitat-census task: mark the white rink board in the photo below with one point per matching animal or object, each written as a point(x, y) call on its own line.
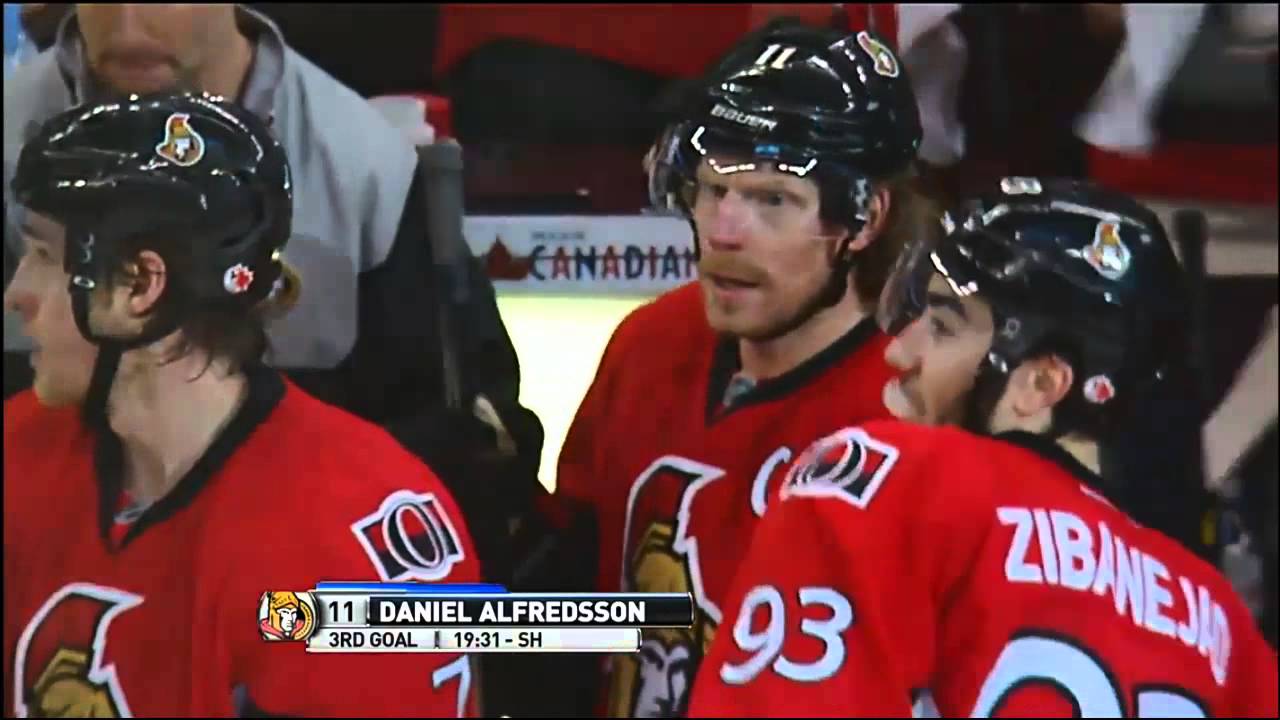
point(559, 341)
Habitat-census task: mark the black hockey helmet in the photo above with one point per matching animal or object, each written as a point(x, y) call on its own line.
point(813, 101)
point(1066, 267)
point(190, 166)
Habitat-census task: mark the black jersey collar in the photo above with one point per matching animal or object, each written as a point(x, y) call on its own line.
point(266, 389)
point(726, 361)
point(1058, 455)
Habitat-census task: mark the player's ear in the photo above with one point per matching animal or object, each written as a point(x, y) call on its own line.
point(146, 282)
point(877, 218)
point(1040, 383)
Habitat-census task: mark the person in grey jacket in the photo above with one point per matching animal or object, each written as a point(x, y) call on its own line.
point(362, 333)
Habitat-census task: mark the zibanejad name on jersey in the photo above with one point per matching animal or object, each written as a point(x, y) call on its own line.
point(1137, 581)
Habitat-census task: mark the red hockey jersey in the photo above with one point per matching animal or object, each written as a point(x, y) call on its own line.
point(292, 493)
point(973, 577)
point(678, 483)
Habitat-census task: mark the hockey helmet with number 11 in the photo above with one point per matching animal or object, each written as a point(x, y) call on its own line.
point(1068, 268)
point(811, 101)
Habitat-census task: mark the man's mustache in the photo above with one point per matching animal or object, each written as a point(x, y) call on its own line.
point(730, 266)
point(139, 57)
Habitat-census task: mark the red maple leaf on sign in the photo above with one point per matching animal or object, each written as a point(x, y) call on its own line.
point(502, 265)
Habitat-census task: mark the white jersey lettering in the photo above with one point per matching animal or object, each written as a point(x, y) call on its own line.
point(1016, 567)
point(1091, 558)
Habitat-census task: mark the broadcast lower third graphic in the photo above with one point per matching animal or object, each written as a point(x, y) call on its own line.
point(474, 640)
point(424, 618)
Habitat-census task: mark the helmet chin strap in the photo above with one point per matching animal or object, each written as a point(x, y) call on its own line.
point(110, 351)
point(980, 404)
point(94, 410)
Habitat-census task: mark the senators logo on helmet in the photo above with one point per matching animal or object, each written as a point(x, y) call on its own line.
point(181, 145)
point(886, 63)
point(1108, 253)
point(62, 665)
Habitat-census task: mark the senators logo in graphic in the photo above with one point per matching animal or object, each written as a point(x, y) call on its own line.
point(286, 615)
point(61, 667)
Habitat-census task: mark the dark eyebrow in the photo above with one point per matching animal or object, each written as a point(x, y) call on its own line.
point(774, 184)
point(948, 302)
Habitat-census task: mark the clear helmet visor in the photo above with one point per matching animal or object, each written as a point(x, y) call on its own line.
point(660, 168)
point(970, 260)
point(903, 299)
point(783, 187)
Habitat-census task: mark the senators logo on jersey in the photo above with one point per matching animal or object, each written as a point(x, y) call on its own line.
point(656, 681)
point(62, 668)
point(410, 537)
point(849, 464)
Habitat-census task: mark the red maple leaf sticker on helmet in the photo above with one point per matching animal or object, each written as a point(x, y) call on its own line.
point(1098, 389)
point(237, 279)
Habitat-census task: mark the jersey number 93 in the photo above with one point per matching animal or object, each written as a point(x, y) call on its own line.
point(765, 646)
point(1027, 660)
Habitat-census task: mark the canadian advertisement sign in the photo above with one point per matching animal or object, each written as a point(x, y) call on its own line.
point(638, 254)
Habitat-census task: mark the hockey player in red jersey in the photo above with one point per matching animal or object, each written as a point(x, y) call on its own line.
point(793, 164)
point(159, 481)
point(972, 565)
